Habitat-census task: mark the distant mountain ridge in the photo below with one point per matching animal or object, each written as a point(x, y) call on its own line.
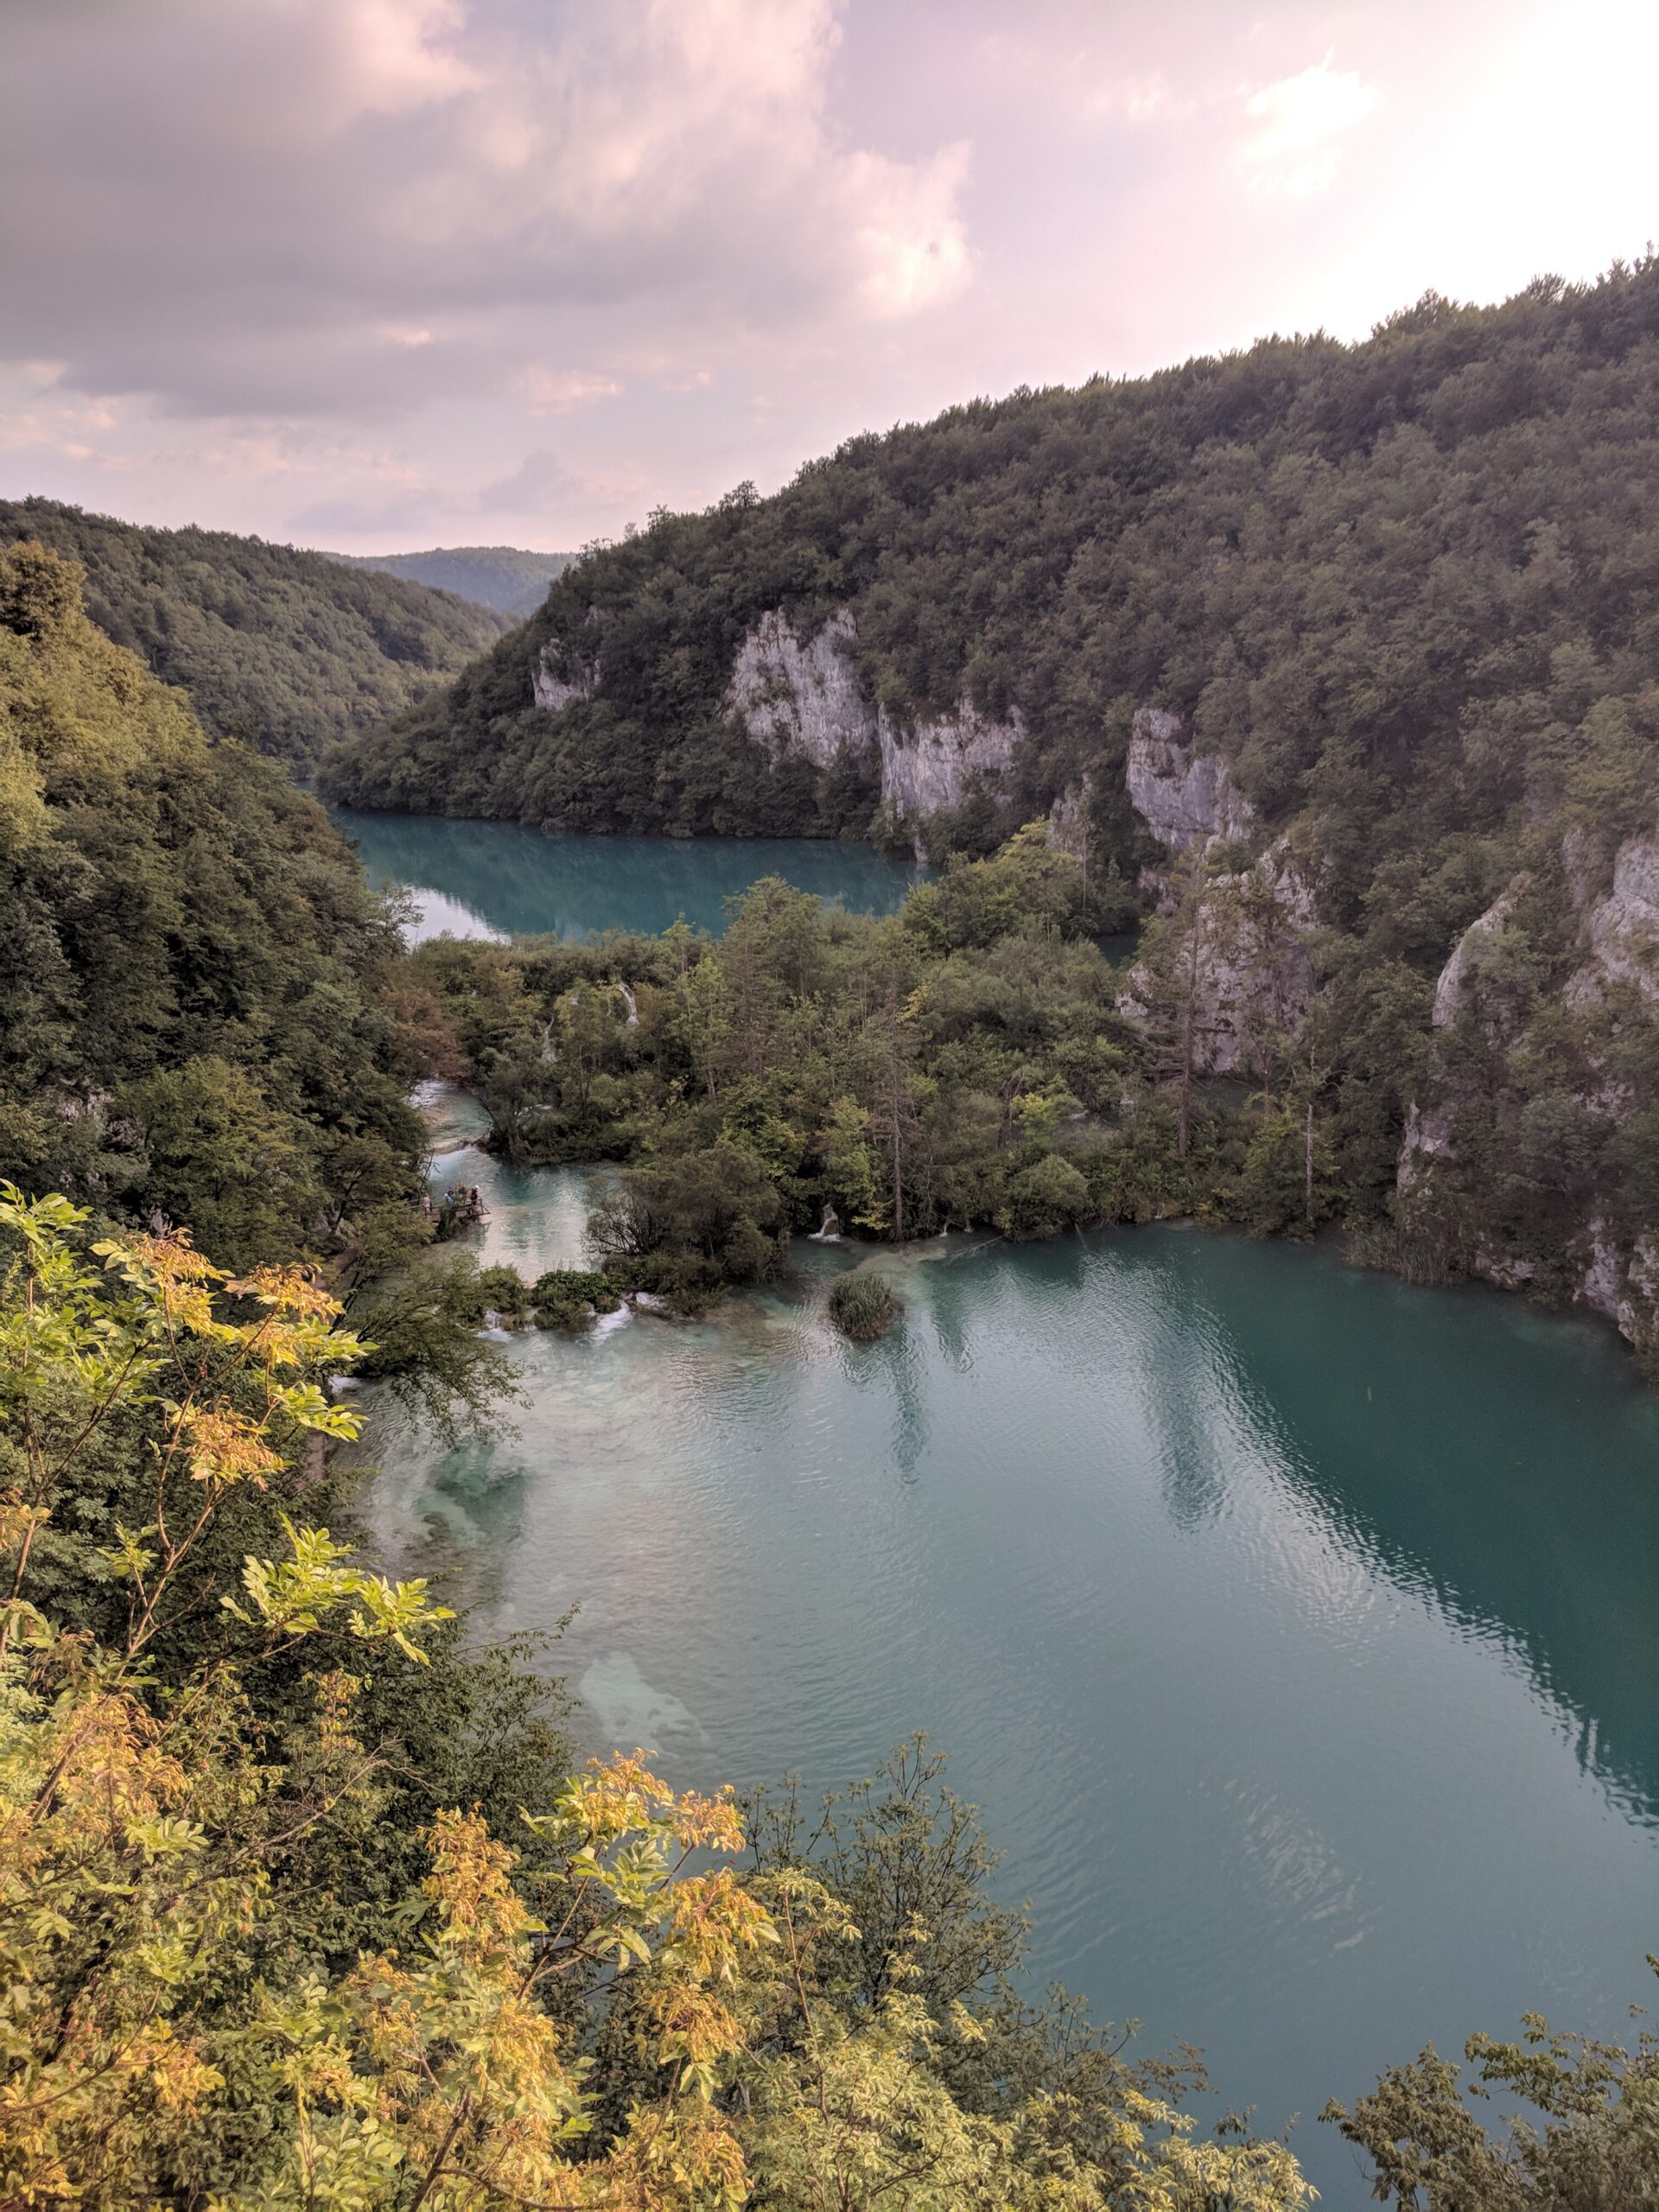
point(288, 650)
point(506, 577)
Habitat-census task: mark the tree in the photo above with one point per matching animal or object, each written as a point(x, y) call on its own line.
point(1049, 1195)
point(1587, 2140)
point(599, 2017)
point(690, 1226)
point(1170, 983)
point(850, 1166)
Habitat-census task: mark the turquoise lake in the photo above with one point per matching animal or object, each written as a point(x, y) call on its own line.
point(498, 879)
point(1297, 1630)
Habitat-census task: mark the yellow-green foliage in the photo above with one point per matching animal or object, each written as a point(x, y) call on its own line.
point(601, 2013)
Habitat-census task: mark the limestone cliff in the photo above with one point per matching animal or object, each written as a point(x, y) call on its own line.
point(1428, 1119)
point(1621, 930)
point(929, 765)
point(1617, 945)
point(1068, 821)
point(1253, 975)
point(567, 669)
point(801, 696)
point(1182, 797)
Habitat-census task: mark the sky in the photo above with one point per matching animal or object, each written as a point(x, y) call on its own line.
point(382, 274)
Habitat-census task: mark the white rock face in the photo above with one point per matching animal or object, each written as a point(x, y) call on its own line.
point(1254, 971)
point(1619, 935)
point(1453, 988)
point(1254, 976)
point(553, 692)
point(801, 696)
point(1621, 932)
point(928, 766)
point(796, 697)
point(1622, 1284)
point(1181, 797)
point(1429, 1123)
point(1068, 823)
point(1427, 1137)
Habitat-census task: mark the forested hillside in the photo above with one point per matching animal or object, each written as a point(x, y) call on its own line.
point(1343, 566)
point(195, 1015)
point(289, 651)
point(505, 577)
point(303, 1898)
point(1343, 659)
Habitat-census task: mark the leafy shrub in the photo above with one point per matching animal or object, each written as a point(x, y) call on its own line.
point(566, 1298)
point(1048, 1196)
point(862, 1307)
point(686, 1227)
point(503, 1291)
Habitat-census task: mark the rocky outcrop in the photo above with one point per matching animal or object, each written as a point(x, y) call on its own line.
point(1622, 1284)
point(553, 691)
point(801, 696)
point(1182, 797)
point(1456, 978)
point(1068, 823)
point(1252, 974)
point(1427, 1136)
point(1620, 932)
point(1618, 944)
point(929, 765)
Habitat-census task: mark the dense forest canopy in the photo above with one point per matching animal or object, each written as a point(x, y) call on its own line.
point(286, 650)
point(304, 1902)
point(506, 577)
point(1404, 570)
point(1395, 602)
point(195, 999)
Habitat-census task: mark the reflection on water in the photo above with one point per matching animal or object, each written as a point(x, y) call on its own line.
point(1295, 1629)
point(495, 879)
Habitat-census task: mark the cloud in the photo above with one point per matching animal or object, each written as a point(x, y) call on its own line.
point(1299, 122)
point(560, 392)
point(329, 265)
point(912, 244)
point(356, 208)
point(539, 484)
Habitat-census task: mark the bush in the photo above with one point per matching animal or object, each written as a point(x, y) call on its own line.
point(862, 1307)
point(1048, 1196)
point(503, 1291)
point(689, 1227)
point(568, 1298)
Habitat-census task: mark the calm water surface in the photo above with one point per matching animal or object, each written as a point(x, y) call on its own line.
point(498, 879)
point(1297, 1630)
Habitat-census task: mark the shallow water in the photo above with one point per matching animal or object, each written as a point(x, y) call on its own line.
point(499, 879)
point(1295, 1629)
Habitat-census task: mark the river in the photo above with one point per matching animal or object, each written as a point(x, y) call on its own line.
point(1297, 1630)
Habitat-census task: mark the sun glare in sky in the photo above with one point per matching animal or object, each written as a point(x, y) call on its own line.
point(370, 273)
